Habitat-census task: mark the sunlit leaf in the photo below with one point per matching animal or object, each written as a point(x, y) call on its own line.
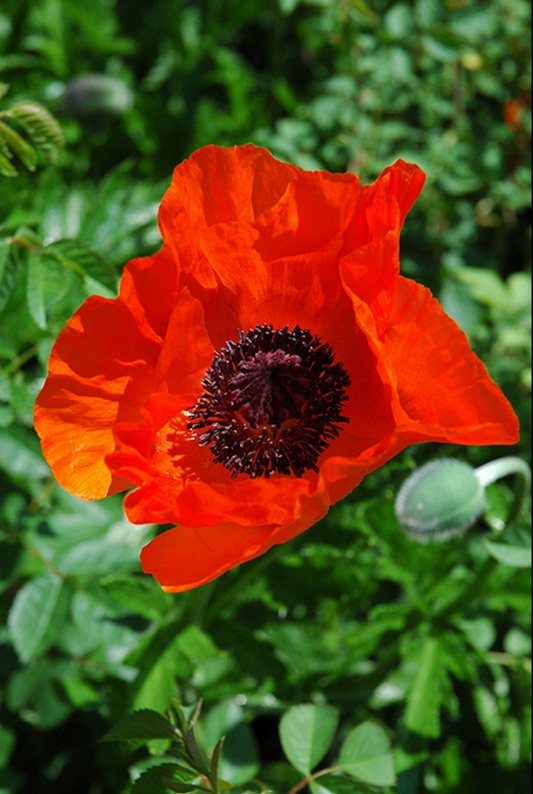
point(422, 715)
point(366, 754)
point(515, 556)
point(37, 615)
point(306, 733)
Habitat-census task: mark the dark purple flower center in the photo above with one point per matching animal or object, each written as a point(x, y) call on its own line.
point(271, 402)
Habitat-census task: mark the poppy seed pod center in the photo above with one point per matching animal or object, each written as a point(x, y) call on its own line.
point(271, 403)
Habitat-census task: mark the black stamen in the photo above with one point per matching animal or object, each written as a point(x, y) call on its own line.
point(272, 402)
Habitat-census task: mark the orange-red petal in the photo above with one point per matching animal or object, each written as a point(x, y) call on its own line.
point(101, 370)
point(444, 390)
point(250, 241)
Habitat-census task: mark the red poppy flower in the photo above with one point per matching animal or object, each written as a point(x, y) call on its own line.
point(253, 371)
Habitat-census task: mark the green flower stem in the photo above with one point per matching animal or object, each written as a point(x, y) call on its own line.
point(503, 467)
point(487, 474)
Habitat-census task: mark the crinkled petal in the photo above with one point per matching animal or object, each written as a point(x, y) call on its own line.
point(218, 185)
point(101, 370)
point(443, 388)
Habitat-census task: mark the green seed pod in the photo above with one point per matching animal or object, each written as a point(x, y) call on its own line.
point(97, 95)
point(440, 500)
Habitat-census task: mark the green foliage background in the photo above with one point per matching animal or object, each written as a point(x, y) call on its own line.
point(425, 641)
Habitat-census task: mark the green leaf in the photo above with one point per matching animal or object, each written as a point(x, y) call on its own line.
point(288, 6)
point(7, 743)
point(366, 754)
point(142, 596)
point(20, 458)
point(215, 761)
point(422, 715)
point(306, 733)
point(161, 662)
point(183, 787)
point(6, 155)
point(83, 260)
point(485, 285)
point(19, 146)
point(35, 289)
point(4, 251)
point(99, 557)
point(157, 779)
point(515, 556)
point(35, 692)
point(142, 725)
point(6, 167)
point(37, 616)
point(335, 784)
point(239, 757)
point(41, 127)
point(9, 270)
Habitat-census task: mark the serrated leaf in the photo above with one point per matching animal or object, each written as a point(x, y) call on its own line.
point(37, 616)
point(83, 260)
point(306, 733)
point(515, 556)
point(6, 166)
point(366, 754)
point(41, 127)
point(152, 781)
point(142, 725)
point(183, 787)
point(19, 146)
point(215, 760)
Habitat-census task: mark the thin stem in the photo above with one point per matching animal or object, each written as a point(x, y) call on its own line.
point(503, 467)
point(309, 779)
point(20, 360)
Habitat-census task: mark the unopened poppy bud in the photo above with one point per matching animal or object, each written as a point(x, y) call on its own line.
point(439, 500)
point(97, 94)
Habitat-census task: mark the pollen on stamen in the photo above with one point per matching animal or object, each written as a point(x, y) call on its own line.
point(272, 403)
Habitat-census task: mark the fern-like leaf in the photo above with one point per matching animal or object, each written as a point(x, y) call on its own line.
point(18, 145)
point(6, 166)
point(42, 128)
